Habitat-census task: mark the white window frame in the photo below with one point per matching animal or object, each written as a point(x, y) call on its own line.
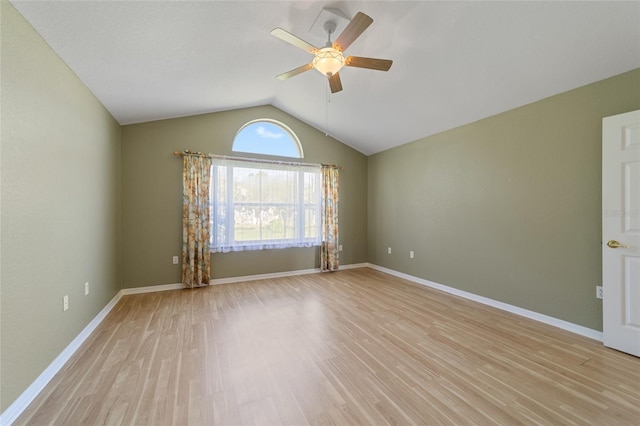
point(223, 239)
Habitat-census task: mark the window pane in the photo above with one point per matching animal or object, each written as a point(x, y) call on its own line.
point(219, 210)
point(267, 137)
point(311, 223)
point(312, 194)
point(268, 205)
point(278, 222)
point(311, 187)
point(246, 226)
point(246, 185)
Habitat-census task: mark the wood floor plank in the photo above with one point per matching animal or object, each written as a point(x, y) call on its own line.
point(351, 347)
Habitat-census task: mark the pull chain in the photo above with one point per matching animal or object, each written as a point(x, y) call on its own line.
point(326, 118)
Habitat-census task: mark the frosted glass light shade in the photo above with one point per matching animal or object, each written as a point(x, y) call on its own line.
point(328, 61)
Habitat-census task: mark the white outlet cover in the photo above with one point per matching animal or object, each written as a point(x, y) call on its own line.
point(65, 303)
point(86, 288)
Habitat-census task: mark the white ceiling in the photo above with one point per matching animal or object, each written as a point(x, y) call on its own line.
point(454, 62)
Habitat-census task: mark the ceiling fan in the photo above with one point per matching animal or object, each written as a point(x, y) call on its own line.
point(329, 60)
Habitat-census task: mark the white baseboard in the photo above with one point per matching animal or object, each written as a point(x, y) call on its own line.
point(354, 266)
point(230, 280)
point(565, 325)
point(19, 405)
point(280, 274)
point(151, 289)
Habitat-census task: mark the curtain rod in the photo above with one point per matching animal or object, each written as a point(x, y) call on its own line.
point(253, 160)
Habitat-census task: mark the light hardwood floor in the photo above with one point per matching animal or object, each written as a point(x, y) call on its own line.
point(351, 347)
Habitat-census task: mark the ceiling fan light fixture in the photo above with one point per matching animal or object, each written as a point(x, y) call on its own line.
point(328, 61)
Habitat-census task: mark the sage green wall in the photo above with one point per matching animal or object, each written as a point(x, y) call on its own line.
point(152, 195)
point(60, 180)
point(508, 207)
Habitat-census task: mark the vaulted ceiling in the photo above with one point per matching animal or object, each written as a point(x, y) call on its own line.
point(454, 62)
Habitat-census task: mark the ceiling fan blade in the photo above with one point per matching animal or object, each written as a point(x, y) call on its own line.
point(295, 72)
point(370, 63)
point(358, 24)
point(334, 83)
point(296, 41)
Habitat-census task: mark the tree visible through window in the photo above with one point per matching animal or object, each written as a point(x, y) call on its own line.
point(270, 137)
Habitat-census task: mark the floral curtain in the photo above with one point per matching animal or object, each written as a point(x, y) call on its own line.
point(329, 254)
point(196, 225)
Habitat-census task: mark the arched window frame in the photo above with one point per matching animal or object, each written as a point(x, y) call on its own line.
point(294, 138)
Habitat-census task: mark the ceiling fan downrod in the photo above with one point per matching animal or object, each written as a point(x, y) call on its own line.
point(330, 28)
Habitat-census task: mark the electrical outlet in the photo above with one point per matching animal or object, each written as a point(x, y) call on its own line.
point(389, 250)
point(340, 247)
point(65, 303)
point(175, 260)
point(599, 292)
point(411, 254)
point(86, 288)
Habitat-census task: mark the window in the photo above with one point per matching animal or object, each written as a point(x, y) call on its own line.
point(257, 205)
point(270, 137)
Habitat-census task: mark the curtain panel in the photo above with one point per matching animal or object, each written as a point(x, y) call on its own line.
point(329, 254)
point(196, 221)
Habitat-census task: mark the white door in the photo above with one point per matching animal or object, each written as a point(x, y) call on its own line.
point(621, 231)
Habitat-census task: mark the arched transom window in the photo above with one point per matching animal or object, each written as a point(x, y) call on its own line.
point(268, 137)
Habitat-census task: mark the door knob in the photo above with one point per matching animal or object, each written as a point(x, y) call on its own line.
point(615, 244)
